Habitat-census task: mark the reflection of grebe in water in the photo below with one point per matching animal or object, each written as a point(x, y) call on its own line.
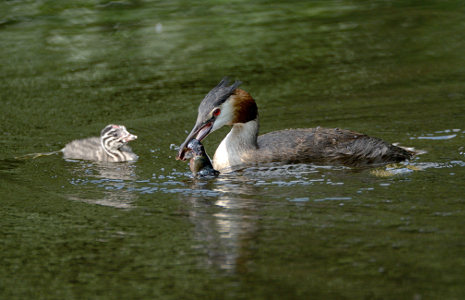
point(226, 221)
point(111, 146)
point(228, 105)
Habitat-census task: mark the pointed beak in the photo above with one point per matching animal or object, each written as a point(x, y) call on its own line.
point(129, 137)
point(199, 132)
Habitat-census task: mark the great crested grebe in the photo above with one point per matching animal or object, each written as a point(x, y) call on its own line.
point(111, 146)
point(228, 105)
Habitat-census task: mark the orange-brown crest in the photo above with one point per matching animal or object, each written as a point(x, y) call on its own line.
point(245, 108)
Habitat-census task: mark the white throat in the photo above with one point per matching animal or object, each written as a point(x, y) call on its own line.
point(240, 142)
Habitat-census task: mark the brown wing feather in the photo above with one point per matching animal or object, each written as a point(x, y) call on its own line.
point(327, 145)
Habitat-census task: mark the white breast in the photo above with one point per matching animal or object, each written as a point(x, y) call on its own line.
point(236, 147)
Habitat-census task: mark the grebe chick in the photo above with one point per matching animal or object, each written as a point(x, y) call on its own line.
point(111, 146)
point(228, 105)
point(200, 163)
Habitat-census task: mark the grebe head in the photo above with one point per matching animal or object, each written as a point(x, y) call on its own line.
point(223, 105)
point(114, 137)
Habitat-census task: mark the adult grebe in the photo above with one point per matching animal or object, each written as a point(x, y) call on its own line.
point(111, 146)
point(228, 105)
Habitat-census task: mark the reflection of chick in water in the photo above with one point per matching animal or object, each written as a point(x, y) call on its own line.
point(122, 171)
point(200, 163)
point(110, 184)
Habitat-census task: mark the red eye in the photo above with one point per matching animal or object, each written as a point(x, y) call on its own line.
point(216, 112)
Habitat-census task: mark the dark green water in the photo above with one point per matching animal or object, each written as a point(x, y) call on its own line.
point(82, 230)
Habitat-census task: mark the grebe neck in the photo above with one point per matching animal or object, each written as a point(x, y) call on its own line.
point(240, 140)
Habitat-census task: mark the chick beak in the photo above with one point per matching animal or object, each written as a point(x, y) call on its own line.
point(199, 132)
point(129, 137)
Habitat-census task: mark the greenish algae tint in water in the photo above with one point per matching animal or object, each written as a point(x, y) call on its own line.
point(147, 230)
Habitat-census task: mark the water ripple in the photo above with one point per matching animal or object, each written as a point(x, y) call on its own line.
point(446, 134)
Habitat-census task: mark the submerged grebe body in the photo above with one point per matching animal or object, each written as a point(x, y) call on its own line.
point(111, 146)
point(228, 105)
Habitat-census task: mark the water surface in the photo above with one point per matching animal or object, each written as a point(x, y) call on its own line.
point(147, 230)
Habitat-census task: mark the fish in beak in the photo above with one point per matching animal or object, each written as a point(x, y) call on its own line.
point(200, 163)
point(199, 132)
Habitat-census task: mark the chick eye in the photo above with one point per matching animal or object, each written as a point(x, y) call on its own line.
point(216, 112)
point(115, 134)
